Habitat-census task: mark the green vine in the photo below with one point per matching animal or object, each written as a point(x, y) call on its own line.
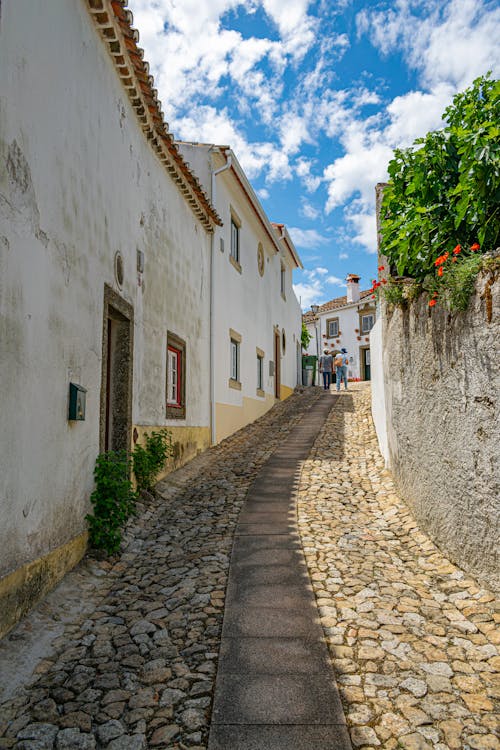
point(148, 461)
point(444, 191)
point(305, 336)
point(113, 500)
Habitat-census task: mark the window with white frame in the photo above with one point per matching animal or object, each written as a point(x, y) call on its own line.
point(235, 240)
point(332, 328)
point(367, 322)
point(175, 385)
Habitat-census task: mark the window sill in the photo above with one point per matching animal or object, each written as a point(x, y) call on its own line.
point(235, 263)
point(234, 384)
point(260, 393)
point(283, 296)
point(175, 412)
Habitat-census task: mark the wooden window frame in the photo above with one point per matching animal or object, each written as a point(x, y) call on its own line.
point(363, 315)
point(332, 335)
point(177, 347)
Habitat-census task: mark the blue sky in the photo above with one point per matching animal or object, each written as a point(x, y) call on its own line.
point(313, 96)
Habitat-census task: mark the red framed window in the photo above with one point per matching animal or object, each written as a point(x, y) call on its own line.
point(175, 395)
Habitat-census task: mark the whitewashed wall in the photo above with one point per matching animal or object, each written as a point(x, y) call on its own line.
point(379, 412)
point(249, 304)
point(78, 182)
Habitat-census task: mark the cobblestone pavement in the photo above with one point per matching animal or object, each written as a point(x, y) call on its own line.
point(125, 652)
point(134, 666)
point(414, 640)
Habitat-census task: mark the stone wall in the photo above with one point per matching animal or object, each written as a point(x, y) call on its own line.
point(441, 381)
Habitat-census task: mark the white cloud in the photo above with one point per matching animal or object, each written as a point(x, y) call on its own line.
point(263, 193)
point(334, 280)
point(308, 239)
point(343, 256)
point(308, 211)
point(308, 293)
point(452, 42)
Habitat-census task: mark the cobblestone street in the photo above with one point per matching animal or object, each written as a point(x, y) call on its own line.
point(414, 640)
point(125, 651)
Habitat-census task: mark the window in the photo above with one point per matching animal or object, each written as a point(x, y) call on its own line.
point(332, 328)
point(235, 241)
point(176, 370)
point(260, 373)
point(173, 379)
point(235, 360)
point(283, 279)
point(366, 323)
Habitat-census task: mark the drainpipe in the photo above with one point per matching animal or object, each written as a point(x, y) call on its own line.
point(227, 165)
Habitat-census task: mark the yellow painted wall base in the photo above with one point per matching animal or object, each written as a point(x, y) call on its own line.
point(24, 587)
point(230, 418)
point(187, 442)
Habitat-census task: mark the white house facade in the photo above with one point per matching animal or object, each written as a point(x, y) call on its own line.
point(345, 322)
point(256, 318)
point(105, 242)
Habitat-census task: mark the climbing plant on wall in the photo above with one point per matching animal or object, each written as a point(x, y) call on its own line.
point(444, 191)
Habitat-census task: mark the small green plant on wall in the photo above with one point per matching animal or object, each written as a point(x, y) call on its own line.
point(113, 500)
point(149, 460)
point(305, 336)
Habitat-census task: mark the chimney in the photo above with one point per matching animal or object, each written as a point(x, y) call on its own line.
point(353, 288)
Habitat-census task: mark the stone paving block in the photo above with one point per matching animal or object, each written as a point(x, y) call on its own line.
point(269, 527)
point(266, 621)
point(269, 558)
point(272, 595)
point(261, 515)
point(261, 575)
point(276, 699)
point(268, 541)
point(267, 737)
point(246, 656)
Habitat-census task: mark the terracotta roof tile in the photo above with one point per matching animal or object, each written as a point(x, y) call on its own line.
point(114, 22)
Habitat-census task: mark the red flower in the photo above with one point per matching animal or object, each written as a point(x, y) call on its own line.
point(440, 270)
point(381, 268)
point(475, 247)
point(384, 281)
point(454, 260)
point(457, 250)
point(373, 296)
point(432, 303)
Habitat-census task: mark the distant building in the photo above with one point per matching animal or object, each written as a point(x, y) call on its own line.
point(345, 322)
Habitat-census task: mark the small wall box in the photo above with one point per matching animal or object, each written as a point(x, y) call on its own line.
point(77, 398)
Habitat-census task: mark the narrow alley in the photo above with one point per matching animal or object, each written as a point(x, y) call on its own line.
point(124, 654)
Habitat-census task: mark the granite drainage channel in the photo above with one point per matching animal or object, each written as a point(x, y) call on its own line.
point(275, 687)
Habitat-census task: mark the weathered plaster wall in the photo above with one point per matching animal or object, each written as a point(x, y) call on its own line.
point(79, 182)
point(442, 391)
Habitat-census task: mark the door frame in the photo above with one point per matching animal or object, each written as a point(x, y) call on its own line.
point(277, 363)
point(116, 310)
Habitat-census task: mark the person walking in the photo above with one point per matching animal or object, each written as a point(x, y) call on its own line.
point(325, 366)
point(341, 363)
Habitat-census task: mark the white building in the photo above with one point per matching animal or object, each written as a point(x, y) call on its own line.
point(105, 242)
point(345, 322)
point(256, 318)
